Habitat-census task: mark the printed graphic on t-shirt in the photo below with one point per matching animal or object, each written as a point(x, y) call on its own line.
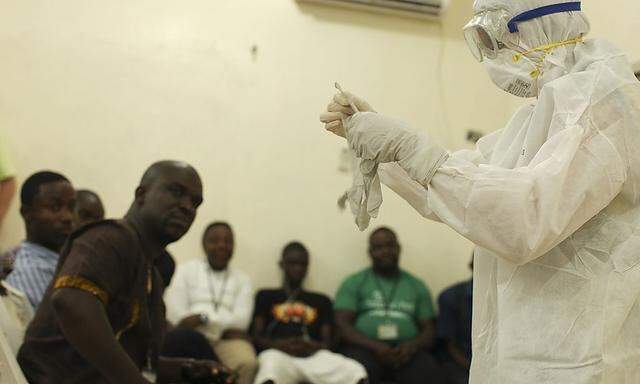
point(295, 312)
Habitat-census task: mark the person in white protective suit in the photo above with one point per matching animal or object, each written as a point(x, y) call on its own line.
point(552, 200)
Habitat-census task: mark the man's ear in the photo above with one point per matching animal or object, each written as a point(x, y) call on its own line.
point(25, 212)
point(140, 194)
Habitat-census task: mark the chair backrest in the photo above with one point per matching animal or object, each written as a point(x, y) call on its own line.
point(15, 312)
point(10, 372)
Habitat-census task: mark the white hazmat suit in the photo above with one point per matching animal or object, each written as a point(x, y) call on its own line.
point(552, 201)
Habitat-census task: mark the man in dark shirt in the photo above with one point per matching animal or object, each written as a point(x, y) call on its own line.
point(293, 329)
point(177, 342)
point(102, 318)
point(454, 329)
point(89, 207)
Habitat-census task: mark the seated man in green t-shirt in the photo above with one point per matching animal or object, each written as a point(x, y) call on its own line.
point(386, 319)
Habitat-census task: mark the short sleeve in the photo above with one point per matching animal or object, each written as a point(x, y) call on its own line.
point(326, 310)
point(447, 317)
point(99, 261)
point(262, 305)
point(347, 296)
point(424, 307)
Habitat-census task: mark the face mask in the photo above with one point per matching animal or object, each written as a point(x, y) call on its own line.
point(517, 77)
point(517, 72)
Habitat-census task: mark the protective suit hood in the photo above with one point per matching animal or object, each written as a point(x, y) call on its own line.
point(542, 31)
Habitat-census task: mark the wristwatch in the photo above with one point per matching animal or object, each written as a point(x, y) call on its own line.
point(204, 319)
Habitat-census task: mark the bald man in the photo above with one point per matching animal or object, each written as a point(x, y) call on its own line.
point(102, 320)
point(89, 208)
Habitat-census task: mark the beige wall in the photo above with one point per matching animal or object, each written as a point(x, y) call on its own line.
point(100, 89)
point(618, 21)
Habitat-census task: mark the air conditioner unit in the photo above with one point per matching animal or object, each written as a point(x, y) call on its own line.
point(412, 8)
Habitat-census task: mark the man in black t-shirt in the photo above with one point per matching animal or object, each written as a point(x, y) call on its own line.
point(293, 329)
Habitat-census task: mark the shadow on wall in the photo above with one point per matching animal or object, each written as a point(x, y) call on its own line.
point(453, 19)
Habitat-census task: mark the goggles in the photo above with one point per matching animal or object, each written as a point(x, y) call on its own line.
point(490, 31)
point(482, 34)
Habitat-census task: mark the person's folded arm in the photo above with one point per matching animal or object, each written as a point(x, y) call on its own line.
point(238, 316)
point(84, 323)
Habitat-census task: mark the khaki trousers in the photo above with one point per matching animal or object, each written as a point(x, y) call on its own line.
point(239, 355)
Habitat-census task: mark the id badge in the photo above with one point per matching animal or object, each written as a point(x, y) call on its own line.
point(387, 331)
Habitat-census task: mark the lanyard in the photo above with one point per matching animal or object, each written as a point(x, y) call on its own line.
point(218, 300)
point(387, 300)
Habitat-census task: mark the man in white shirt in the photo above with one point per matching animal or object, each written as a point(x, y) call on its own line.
point(216, 300)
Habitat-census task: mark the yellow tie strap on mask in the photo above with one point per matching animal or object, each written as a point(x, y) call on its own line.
point(545, 50)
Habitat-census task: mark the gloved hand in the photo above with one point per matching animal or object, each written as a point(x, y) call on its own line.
point(380, 139)
point(339, 108)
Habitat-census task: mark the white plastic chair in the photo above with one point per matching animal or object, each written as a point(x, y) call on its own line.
point(15, 312)
point(10, 372)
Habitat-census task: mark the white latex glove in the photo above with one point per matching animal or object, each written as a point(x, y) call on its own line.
point(339, 108)
point(380, 139)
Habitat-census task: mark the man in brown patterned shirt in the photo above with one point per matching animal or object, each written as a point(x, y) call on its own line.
point(102, 318)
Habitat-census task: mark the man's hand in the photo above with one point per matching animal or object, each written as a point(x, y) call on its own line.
point(310, 347)
point(296, 347)
point(403, 353)
point(384, 354)
point(395, 357)
point(193, 321)
point(289, 346)
point(207, 371)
